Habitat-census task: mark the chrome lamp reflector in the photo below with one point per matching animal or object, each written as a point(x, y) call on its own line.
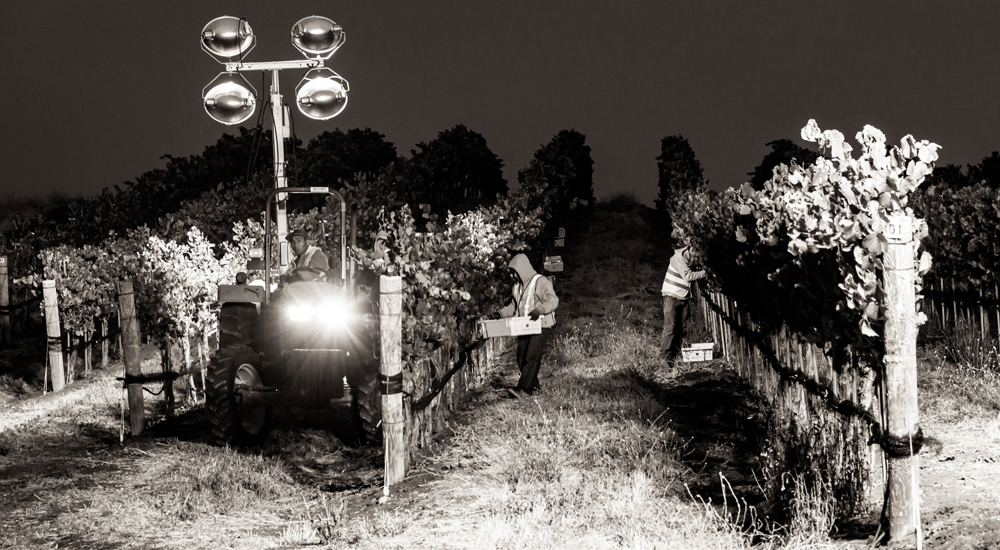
point(227, 37)
point(322, 94)
point(317, 37)
point(230, 99)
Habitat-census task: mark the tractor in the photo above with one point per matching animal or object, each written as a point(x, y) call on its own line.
point(306, 344)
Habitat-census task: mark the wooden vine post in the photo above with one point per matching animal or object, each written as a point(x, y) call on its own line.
point(4, 302)
point(902, 506)
point(166, 364)
point(104, 343)
point(130, 355)
point(51, 301)
point(391, 378)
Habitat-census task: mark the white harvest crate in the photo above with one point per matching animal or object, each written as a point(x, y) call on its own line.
point(698, 352)
point(512, 326)
point(553, 263)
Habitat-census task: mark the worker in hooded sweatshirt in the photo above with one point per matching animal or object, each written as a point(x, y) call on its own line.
point(534, 297)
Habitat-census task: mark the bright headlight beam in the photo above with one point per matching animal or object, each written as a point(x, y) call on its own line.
point(334, 313)
point(300, 313)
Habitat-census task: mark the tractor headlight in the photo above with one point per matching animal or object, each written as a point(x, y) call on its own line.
point(300, 313)
point(330, 312)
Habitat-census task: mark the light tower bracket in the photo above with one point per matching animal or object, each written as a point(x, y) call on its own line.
point(244, 66)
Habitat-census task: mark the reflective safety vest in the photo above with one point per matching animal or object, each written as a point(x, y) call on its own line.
point(306, 257)
point(674, 285)
point(527, 301)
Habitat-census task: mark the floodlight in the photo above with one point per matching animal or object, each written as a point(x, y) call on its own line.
point(227, 37)
point(317, 37)
point(322, 94)
point(230, 99)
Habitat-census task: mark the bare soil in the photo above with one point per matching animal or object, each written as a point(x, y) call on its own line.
point(960, 492)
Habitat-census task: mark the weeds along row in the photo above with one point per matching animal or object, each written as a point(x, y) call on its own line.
point(826, 412)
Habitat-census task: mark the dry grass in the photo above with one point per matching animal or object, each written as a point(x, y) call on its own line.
point(589, 464)
point(151, 492)
point(959, 377)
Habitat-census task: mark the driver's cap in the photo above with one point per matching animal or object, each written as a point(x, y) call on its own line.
point(297, 233)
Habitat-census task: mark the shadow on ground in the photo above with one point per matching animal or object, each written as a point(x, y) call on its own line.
point(724, 429)
point(725, 426)
point(320, 447)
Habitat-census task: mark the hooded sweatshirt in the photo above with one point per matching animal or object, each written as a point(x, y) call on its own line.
point(533, 291)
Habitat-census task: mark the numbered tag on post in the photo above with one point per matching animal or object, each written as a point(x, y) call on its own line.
point(899, 229)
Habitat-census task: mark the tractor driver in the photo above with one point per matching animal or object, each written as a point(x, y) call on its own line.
point(309, 264)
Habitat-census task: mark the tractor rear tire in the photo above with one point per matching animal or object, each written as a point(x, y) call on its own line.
point(232, 366)
point(366, 408)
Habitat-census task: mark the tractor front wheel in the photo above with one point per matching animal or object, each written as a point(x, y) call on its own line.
point(366, 408)
point(233, 367)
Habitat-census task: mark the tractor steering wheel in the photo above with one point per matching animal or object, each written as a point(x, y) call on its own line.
point(307, 273)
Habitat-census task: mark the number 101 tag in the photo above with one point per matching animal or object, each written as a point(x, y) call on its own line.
point(900, 229)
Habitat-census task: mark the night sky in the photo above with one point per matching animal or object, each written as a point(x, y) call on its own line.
point(93, 93)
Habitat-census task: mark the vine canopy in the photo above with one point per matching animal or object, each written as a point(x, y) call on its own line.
point(814, 236)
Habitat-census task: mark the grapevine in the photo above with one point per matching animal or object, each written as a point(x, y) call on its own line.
point(815, 235)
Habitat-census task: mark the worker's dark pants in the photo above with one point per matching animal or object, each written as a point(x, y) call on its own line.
point(675, 313)
point(529, 358)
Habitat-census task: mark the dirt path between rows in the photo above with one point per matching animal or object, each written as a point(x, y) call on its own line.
point(960, 487)
point(712, 410)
